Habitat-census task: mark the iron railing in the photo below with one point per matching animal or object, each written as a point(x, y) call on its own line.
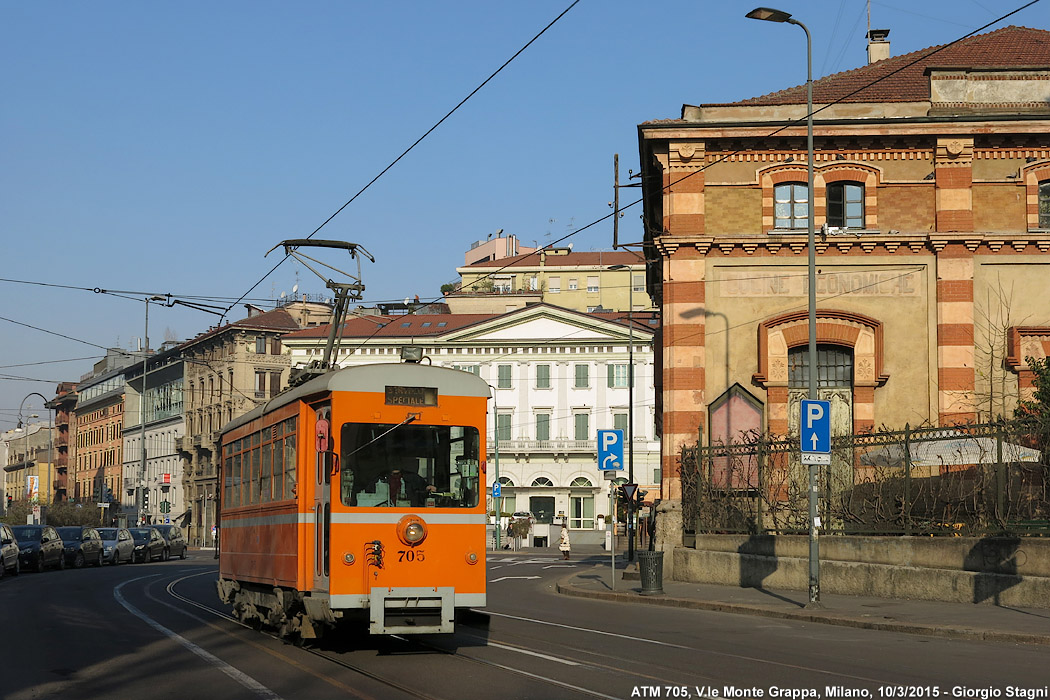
point(962, 480)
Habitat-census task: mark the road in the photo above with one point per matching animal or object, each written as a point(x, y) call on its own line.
point(158, 631)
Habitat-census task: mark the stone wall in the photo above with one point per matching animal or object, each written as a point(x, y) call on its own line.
point(997, 570)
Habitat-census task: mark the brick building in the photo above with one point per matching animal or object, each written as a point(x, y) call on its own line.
point(932, 207)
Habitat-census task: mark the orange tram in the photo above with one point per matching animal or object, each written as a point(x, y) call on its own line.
point(357, 496)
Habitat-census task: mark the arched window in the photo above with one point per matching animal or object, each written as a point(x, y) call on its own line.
point(542, 481)
point(581, 481)
point(846, 204)
point(791, 205)
point(505, 481)
point(834, 367)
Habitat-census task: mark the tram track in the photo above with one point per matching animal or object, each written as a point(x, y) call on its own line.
point(335, 658)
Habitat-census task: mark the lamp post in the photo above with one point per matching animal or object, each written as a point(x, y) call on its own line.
point(50, 439)
point(630, 404)
point(770, 15)
point(497, 502)
point(142, 410)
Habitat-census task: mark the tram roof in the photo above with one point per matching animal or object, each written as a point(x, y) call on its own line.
point(374, 378)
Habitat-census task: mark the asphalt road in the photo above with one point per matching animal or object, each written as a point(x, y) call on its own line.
point(158, 631)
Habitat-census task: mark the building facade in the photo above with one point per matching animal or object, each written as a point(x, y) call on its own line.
point(557, 276)
point(64, 406)
point(98, 440)
point(228, 371)
point(557, 377)
point(931, 199)
point(153, 484)
point(29, 469)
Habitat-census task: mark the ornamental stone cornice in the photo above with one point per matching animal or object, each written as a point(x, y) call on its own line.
point(855, 245)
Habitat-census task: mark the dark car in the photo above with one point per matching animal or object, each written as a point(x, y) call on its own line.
point(9, 554)
point(82, 545)
point(175, 540)
point(149, 544)
point(39, 547)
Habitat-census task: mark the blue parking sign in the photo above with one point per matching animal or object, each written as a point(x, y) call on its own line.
point(496, 490)
point(816, 432)
point(610, 449)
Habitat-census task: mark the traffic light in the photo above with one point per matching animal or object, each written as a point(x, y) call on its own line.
point(641, 497)
point(8, 500)
point(145, 499)
point(109, 495)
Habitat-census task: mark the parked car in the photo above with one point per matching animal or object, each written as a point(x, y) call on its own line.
point(149, 544)
point(117, 545)
point(175, 540)
point(39, 547)
point(9, 554)
point(524, 515)
point(81, 545)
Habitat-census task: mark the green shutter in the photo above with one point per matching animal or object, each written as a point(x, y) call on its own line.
point(612, 374)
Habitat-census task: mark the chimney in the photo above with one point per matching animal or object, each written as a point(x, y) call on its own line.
point(878, 45)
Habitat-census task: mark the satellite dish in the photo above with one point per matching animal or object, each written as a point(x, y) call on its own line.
point(283, 295)
point(295, 288)
point(407, 300)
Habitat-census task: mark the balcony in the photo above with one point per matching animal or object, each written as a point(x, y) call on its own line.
point(182, 444)
point(546, 446)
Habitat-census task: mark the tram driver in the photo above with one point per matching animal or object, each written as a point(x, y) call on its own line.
point(405, 483)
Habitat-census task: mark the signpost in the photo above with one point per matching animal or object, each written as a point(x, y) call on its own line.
point(610, 459)
point(816, 450)
point(496, 490)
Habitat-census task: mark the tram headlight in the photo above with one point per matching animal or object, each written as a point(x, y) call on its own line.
point(412, 530)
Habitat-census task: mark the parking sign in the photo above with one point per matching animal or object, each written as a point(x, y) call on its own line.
point(816, 432)
point(610, 450)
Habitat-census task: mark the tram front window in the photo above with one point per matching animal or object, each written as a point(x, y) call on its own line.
point(409, 466)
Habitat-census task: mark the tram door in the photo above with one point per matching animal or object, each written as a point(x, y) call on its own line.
point(322, 495)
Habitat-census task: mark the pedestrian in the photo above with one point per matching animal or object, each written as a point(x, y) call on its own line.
point(563, 544)
point(510, 536)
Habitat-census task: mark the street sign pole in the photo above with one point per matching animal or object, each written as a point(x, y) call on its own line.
point(816, 451)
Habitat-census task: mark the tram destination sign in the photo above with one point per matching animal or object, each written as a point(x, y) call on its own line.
point(411, 396)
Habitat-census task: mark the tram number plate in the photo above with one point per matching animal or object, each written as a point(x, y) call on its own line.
point(410, 555)
point(411, 396)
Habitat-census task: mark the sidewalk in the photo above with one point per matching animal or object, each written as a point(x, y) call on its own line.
point(983, 621)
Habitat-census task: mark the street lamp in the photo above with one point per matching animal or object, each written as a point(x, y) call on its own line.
point(50, 437)
point(142, 410)
point(630, 403)
point(770, 15)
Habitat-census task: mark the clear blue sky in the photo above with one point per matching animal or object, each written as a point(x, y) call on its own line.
point(165, 147)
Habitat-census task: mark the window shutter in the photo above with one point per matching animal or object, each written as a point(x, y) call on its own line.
point(612, 375)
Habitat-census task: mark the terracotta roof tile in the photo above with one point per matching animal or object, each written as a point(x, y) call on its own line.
point(396, 326)
point(1006, 47)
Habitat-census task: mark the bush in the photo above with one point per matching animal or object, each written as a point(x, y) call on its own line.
point(59, 514)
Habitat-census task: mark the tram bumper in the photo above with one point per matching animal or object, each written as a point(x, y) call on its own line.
point(412, 610)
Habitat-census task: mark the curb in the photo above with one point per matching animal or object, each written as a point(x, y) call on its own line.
point(565, 587)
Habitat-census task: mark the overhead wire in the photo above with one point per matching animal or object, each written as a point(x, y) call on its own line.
point(414, 144)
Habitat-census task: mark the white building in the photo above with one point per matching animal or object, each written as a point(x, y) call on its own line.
point(158, 488)
point(557, 375)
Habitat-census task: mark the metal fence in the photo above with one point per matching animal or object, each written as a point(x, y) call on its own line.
point(969, 480)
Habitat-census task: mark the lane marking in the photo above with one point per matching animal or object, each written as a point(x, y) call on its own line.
point(537, 654)
point(508, 578)
point(243, 678)
point(584, 629)
point(354, 692)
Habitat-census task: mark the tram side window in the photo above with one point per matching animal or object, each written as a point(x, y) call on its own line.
point(265, 472)
point(409, 466)
point(260, 467)
point(254, 497)
point(278, 469)
point(289, 466)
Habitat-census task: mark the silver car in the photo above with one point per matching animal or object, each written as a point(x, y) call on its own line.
point(117, 545)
